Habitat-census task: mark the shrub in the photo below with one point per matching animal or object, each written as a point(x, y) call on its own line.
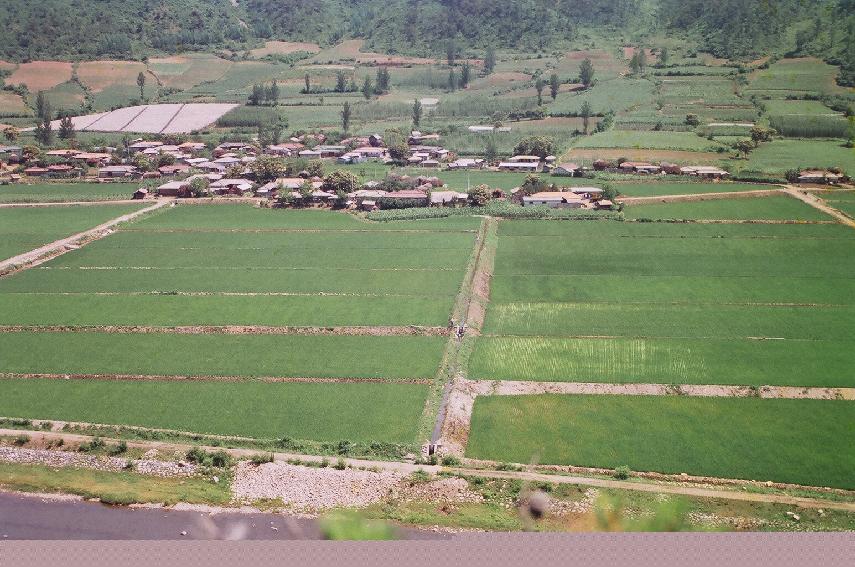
point(21, 440)
point(420, 476)
point(450, 461)
point(119, 448)
point(94, 445)
point(622, 472)
point(262, 458)
point(340, 464)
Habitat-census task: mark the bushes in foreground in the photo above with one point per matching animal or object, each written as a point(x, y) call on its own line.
point(501, 209)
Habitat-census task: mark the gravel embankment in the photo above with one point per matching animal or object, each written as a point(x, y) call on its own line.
point(101, 463)
point(307, 488)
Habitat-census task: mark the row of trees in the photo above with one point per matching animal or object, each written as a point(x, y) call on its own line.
point(262, 94)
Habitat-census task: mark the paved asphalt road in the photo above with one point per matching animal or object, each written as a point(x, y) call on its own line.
point(32, 517)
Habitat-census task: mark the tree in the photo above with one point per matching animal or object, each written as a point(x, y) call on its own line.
point(532, 184)
point(744, 147)
point(345, 117)
point(539, 84)
point(693, 120)
point(367, 88)
point(465, 75)
point(382, 80)
point(274, 93)
point(308, 81)
point(267, 168)
point(586, 72)
point(451, 51)
point(480, 195)
point(199, 186)
point(585, 113)
point(761, 134)
point(340, 82)
point(256, 96)
point(491, 152)
point(554, 85)
point(11, 133)
point(396, 143)
point(44, 133)
point(417, 112)
point(540, 146)
point(642, 58)
point(40, 104)
point(634, 65)
point(663, 57)
point(141, 84)
point(340, 180)
point(452, 80)
point(489, 61)
point(66, 128)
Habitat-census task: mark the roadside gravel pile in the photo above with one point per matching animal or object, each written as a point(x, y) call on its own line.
point(80, 460)
point(307, 488)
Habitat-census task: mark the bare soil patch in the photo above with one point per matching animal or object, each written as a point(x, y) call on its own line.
point(351, 50)
point(54, 458)
point(284, 48)
point(40, 75)
point(98, 75)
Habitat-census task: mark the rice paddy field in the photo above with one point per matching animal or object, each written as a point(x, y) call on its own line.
point(208, 267)
point(26, 228)
point(672, 303)
point(744, 438)
point(775, 207)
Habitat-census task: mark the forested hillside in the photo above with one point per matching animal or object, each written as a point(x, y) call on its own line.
point(87, 29)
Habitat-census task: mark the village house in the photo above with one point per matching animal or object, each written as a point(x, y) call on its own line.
point(140, 194)
point(174, 189)
point(639, 167)
point(36, 171)
point(566, 170)
point(704, 172)
point(284, 150)
point(173, 169)
point(819, 177)
point(12, 154)
point(466, 163)
point(555, 200)
point(350, 158)
point(406, 198)
point(63, 171)
point(593, 193)
point(117, 172)
point(93, 158)
point(192, 147)
point(142, 145)
point(448, 198)
point(231, 186)
point(521, 163)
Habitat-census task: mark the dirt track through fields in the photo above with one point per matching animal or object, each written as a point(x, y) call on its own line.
point(818, 204)
point(200, 378)
point(452, 426)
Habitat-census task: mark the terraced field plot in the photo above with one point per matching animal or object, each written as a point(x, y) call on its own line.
point(24, 229)
point(744, 438)
point(671, 303)
point(203, 268)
